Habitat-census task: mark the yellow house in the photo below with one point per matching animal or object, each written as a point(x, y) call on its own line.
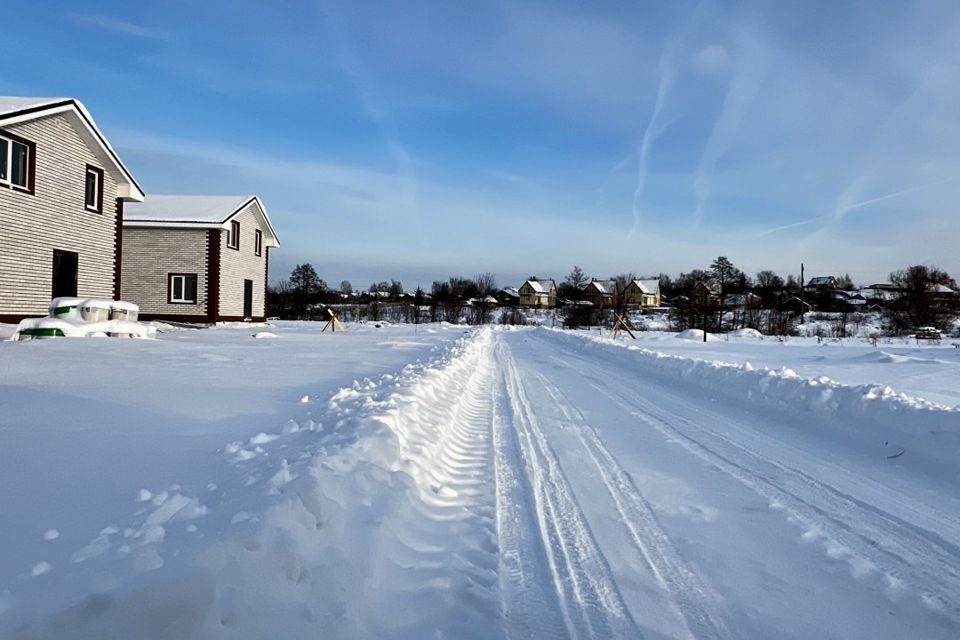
point(642, 293)
point(538, 294)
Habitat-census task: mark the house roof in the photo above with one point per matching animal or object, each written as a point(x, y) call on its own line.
point(194, 212)
point(510, 291)
point(14, 110)
point(820, 281)
point(603, 286)
point(541, 286)
point(648, 286)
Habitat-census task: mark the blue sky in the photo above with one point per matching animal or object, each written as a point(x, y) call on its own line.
point(418, 140)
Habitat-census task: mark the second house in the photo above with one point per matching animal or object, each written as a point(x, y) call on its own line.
point(197, 258)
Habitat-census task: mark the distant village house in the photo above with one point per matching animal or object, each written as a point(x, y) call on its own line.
point(602, 293)
point(538, 294)
point(642, 293)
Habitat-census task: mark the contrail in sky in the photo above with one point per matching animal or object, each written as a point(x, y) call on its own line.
point(840, 213)
point(667, 73)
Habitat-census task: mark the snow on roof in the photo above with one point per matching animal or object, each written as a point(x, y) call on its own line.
point(215, 209)
point(511, 291)
point(603, 286)
point(820, 281)
point(193, 211)
point(649, 286)
point(16, 104)
point(17, 109)
point(541, 286)
point(939, 288)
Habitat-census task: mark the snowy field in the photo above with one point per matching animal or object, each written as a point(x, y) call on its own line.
point(432, 482)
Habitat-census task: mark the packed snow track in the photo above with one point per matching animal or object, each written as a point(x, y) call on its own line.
point(537, 484)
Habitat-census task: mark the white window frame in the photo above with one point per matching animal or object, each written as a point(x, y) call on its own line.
point(9, 160)
point(183, 287)
point(233, 239)
point(258, 242)
point(96, 190)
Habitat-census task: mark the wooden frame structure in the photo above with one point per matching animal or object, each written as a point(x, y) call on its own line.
point(621, 323)
point(333, 322)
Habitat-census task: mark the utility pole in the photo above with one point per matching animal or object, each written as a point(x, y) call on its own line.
point(803, 286)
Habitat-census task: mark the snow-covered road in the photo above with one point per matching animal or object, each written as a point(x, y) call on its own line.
point(699, 518)
point(540, 484)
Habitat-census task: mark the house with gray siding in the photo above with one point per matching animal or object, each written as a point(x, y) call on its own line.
point(197, 258)
point(62, 194)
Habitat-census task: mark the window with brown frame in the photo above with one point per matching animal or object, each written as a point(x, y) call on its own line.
point(182, 288)
point(258, 242)
point(233, 236)
point(17, 162)
point(93, 196)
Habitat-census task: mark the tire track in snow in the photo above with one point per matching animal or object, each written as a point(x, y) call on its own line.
point(695, 602)
point(583, 585)
point(870, 538)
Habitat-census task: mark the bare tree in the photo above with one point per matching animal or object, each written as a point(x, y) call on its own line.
point(927, 298)
point(486, 284)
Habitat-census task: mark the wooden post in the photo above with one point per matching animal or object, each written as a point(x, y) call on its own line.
point(621, 323)
point(333, 322)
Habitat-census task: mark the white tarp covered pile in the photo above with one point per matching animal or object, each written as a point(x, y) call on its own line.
point(86, 317)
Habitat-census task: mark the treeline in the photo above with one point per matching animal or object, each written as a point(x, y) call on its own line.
point(719, 297)
point(306, 296)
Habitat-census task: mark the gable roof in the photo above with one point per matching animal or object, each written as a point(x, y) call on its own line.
point(541, 286)
point(821, 281)
point(603, 286)
point(649, 286)
point(14, 110)
point(510, 291)
point(195, 212)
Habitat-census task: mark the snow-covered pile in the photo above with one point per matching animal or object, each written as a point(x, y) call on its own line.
point(695, 334)
point(874, 414)
point(86, 317)
point(745, 333)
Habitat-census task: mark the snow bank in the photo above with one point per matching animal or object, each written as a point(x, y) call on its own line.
point(372, 514)
point(745, 333)
point(398, 450)
point(883, 419)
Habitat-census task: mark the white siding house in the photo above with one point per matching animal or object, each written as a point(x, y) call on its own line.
point(62, 194)
point(197, 258)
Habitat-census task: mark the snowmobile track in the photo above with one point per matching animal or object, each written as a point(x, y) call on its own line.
point(566, 554)
point(916, 557)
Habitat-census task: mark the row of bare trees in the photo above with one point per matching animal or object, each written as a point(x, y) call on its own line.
point(719, 298)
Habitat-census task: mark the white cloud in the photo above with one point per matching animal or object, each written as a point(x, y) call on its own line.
point(712, 59)
point(118, 26)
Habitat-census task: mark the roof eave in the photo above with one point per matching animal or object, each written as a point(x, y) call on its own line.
point(173, 224)
point(130, 192)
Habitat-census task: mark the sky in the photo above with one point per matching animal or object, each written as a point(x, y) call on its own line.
point(420, 140)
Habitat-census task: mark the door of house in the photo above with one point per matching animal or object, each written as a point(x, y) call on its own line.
point(248, 298)
point(65, 265)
